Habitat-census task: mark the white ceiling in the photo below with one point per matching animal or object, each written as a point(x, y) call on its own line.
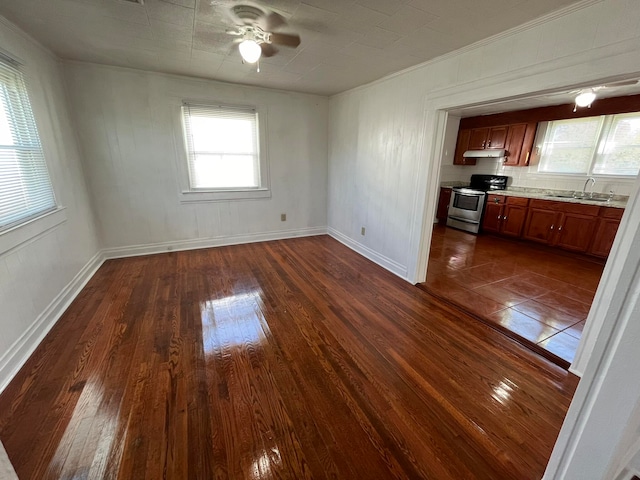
point(345, 43)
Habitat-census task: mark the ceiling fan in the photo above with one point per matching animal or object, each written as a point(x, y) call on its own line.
point(255, 28)
point(586, 96)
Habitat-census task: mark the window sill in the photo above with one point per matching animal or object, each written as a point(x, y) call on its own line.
point(31, 229)
point(194, 196)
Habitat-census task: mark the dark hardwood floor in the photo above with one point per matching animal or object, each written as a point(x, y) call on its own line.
point(287, 359)
point(538, 294)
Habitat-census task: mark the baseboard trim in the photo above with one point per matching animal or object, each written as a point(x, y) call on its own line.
point(385, 262)
point(181, 245)
point(18, 353)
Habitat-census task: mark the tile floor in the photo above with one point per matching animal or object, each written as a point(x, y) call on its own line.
point(538, 293)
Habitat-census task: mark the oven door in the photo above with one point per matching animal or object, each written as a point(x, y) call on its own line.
point(466, 205)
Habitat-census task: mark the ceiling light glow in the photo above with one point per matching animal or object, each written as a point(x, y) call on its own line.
point(585, 98)
point(250, 51)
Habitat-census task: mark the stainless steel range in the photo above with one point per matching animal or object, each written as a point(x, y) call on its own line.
point(467, 203)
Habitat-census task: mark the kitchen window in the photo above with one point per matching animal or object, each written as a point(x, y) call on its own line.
point(605, 145)
point(225, 152)
point(25, 187)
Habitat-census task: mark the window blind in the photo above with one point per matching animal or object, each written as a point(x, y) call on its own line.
point(222, 146)
point(25, 187)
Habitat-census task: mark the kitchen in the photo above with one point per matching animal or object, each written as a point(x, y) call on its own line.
point(530, 202)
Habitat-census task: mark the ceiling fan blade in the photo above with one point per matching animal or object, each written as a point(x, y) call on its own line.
point(272, 21)
point(623, 83)
point(286, 39)
point(268, 50)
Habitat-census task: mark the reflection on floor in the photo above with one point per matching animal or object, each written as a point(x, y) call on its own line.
point(539, 294)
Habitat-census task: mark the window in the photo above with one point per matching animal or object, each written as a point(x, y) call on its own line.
point(605, 145)
point(223, 148)
point(25, 187)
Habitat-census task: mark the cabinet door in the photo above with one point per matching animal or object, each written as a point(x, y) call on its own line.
point(540, 225)
point(527, 144)
point(478, 138)
point(515, 139)
point(443, 205)
point(575, 231)
point(513, 220)
point(497, 137)
point(603, 239)
point(462, 146)
point(492, 217)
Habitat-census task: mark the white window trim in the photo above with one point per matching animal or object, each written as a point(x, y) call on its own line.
point(31, 229)
point(603, 131)
point(190, 195)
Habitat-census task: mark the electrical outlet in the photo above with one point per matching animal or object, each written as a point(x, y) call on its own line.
point(362, 230)
point(283, 217)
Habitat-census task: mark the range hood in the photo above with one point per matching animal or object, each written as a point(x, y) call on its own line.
point(484, 153)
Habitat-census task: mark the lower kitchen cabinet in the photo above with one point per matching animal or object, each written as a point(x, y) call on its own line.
point(443, 205)
point(605, 233)
point(541, 224)
point(576, 231)
point(576, 227)
point(505, 215)
point(513, 220)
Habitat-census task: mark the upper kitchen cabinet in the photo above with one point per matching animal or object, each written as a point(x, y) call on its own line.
point(516, 139)
point(484, 138)
point(462, 145)
point(519, 144)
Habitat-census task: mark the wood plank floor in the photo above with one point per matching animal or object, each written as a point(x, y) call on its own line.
point(287, 359)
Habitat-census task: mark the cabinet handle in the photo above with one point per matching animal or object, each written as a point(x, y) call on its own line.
point(526, 161)
point(504, 218)
point(560, 228)
point(551, 227)
point(489, 144)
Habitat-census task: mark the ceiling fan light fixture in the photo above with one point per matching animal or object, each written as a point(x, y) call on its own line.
point(585, 98)
point(250, 51)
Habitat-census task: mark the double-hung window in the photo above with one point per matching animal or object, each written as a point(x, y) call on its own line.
point(25, 187)
point(223, 146)
point(605, 145)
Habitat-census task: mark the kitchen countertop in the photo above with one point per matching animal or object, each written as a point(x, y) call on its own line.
point(618, 201)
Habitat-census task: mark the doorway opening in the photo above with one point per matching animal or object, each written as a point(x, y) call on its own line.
point(538, 292)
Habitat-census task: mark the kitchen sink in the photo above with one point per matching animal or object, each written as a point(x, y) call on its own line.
point(584, 199)
point(594, 199)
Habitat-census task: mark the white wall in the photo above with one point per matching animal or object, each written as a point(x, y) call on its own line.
point(127, 121)
point(378, 133)
point(35, 275)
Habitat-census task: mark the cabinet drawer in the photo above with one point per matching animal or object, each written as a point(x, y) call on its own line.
point(610, 212)
point(581, 209)
point(523, 202)
point(491, 198)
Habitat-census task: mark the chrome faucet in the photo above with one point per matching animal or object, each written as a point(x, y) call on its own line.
point(584, 189)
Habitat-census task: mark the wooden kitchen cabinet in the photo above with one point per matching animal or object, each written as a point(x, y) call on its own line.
point(541, 223)
point(478, 138)
point(606, 231)
point(576, 227)
point(516, 139)
point(513, 218)
point(462, 146)
point(487, 138)
point(575, 231)
point(519, 144)
point(443, 205)
point(505, 215)
point(493, 212)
